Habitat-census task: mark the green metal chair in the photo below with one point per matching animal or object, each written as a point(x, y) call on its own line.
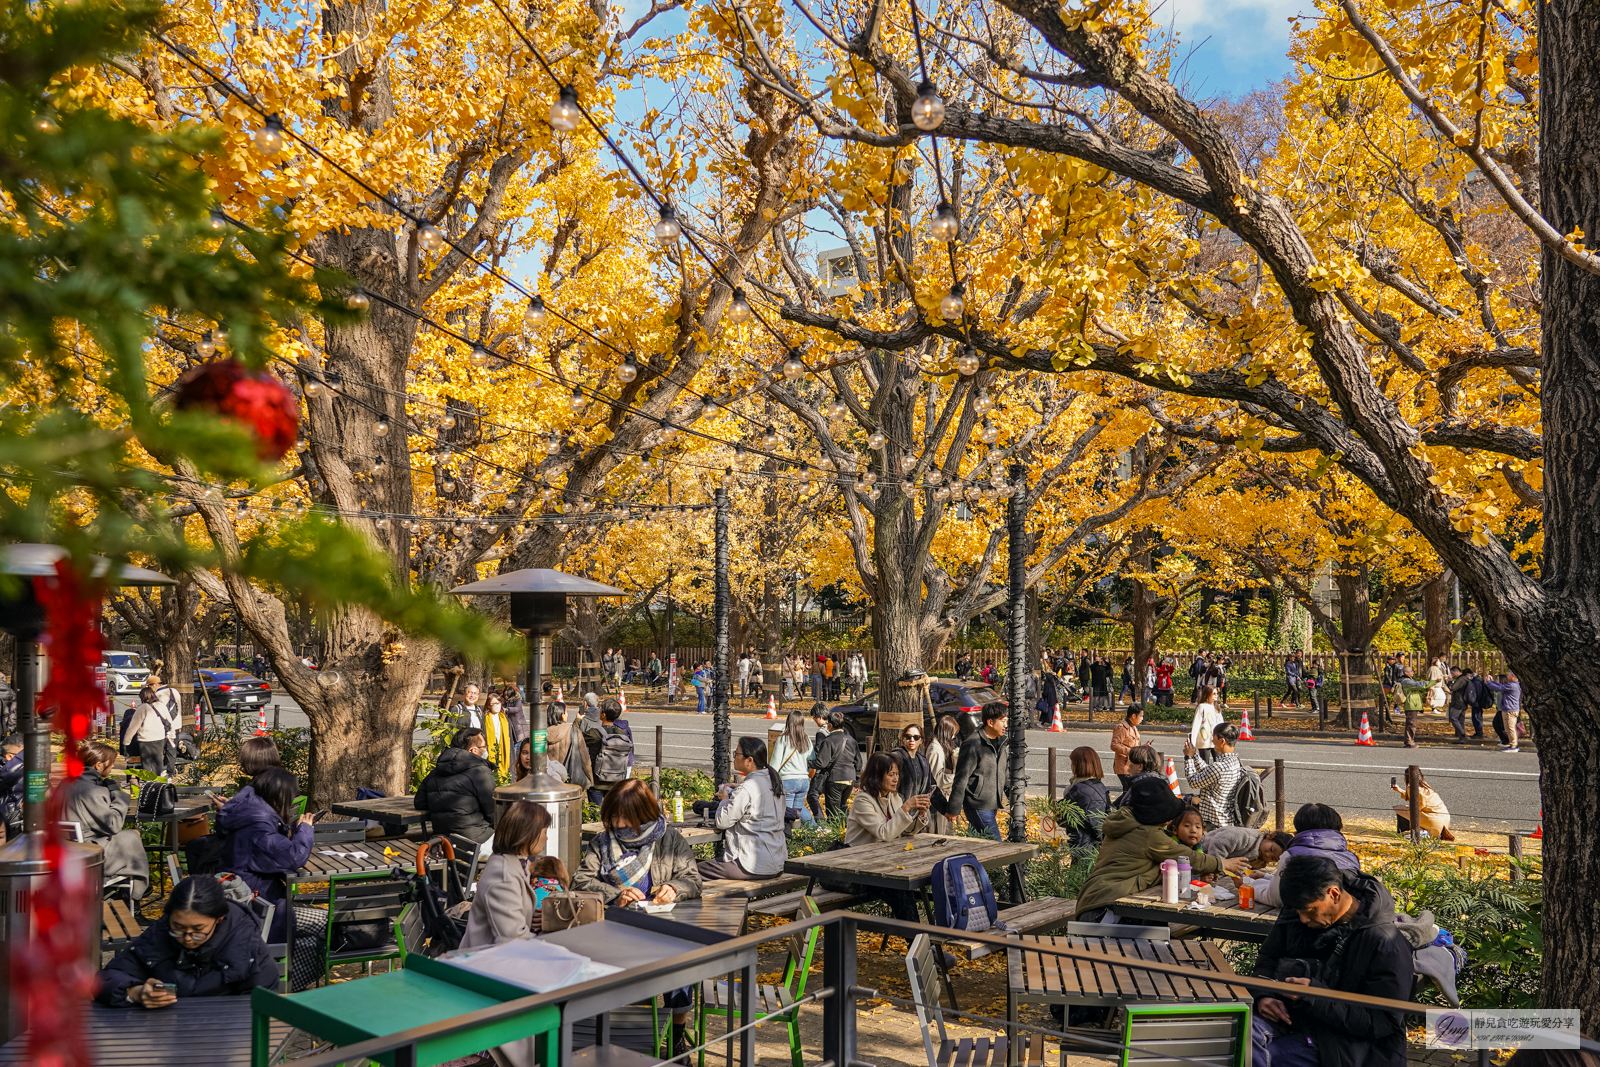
point(362, 914)
point(1179, 1035)
point(721, 998)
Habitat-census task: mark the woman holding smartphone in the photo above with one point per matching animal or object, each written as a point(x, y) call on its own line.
point(202, 946)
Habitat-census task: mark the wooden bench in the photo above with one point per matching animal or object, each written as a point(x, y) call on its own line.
point(784, 906)
point(119, 924)
point(755, 890)
point(1041, 916)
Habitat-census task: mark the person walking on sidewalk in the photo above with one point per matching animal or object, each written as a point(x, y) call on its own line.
point(978, 790)
point(1458, 704)
point(1509, 690)
point(1292, 673)
point(1411, 693)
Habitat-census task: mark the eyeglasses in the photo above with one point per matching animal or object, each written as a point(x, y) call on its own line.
point(913, 737)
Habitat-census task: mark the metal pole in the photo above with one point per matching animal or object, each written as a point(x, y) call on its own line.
point(35, 735)
point(1515, 841)
point(1016, 677)
point(722, 722)
point(1413, 778)
point(1052, 765)
point(275, 708)
point(1277, 785)
point(658, 744)
point(538, 753)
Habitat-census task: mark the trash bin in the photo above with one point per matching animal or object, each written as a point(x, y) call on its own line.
point(22, 871)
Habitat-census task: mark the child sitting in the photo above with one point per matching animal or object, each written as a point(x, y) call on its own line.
point(547, 875)
point(1187, 827)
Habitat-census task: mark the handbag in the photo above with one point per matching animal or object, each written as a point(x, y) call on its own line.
point(560, 911)
point(157, 799)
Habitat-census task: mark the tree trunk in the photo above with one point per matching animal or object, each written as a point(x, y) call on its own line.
point(1142, 609)
point(1437, 633)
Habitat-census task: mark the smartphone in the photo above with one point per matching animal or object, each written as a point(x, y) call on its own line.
point(168, 987)
point(317, 816)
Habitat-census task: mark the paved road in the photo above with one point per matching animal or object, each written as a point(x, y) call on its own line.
point(1484, 789)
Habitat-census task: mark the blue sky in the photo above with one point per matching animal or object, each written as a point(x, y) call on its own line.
point(1231, 47)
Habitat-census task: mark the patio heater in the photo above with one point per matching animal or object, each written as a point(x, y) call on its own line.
point(538, 598)
point(22, 864)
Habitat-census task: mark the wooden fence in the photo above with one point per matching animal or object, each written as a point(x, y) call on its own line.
point(1255, 661)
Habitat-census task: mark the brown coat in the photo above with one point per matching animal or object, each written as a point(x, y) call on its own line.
point(558, 738)
point(1124, 736)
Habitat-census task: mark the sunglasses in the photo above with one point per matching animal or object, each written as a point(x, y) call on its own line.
point(913, 737)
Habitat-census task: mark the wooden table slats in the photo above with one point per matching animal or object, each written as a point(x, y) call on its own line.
point(891, 865)
point(1237, 923)
point(371, 861)
point(1036, 977)
point(390, 811)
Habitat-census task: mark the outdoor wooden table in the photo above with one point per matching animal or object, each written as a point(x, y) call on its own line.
point(214, 1031)
point(694, 830)
point(1037, 978)
point(723, 915)
point(186, 807)
point(894, 865)
point(1224, 919)
point(353, 857)
point(633, 939)
point(394, 813)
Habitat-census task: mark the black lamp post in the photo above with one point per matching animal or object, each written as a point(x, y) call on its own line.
point(538, 598)
point(22, 865)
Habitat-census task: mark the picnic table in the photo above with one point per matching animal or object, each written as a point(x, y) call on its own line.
point(907, 863)
point(723, 915)
point(395, 814)
point(214, 1031)
point(345, 858)
point(1229, 919)
point(1037, 978)
point(694, 830)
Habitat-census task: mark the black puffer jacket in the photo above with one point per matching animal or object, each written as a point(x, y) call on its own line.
point(233, 961)
point(1094, 798)
point(458, 795)
point(1376, 961)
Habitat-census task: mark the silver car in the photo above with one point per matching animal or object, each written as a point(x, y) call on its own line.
point(125, 671)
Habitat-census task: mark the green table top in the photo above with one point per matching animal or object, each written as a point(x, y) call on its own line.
point(383, 1003)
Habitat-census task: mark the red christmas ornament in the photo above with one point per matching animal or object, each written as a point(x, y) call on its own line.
point(255, 398)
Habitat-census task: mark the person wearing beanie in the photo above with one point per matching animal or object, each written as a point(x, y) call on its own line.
point(1135, 844)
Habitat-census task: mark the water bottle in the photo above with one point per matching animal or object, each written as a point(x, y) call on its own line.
point(1169, 882)
point(677, 805)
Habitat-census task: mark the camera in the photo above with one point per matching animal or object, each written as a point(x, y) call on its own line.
point(1296, 967)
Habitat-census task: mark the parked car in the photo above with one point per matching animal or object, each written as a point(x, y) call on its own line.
point(125, 672)
point(232, 690)
point(964, 700)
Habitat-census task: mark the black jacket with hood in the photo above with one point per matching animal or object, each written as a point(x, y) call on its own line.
point(1375, 960)
point(231, 962)
point(458, 795)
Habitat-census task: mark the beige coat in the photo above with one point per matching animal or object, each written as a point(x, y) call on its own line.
point(1124, 738)
point(503, 907)
point(872, 820)
point(1434, 817)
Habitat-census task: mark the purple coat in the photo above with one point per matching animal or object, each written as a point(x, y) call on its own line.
point(262, 851)
point(1329, 843)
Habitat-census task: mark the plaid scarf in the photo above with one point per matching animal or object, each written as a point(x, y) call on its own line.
point(625, 853)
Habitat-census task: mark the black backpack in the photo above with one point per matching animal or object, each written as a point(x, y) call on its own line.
point(1247, 804)
point(611, 761)
point(209, 854)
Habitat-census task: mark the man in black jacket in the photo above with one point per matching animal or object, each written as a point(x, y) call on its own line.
point(979, 787)
point(458, 794)
point(1336, 931)
point(834, 758)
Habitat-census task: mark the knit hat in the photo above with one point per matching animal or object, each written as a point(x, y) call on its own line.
point(1153, 803)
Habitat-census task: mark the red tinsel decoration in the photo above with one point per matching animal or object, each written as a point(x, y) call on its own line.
point(257, 399)
point(57, 974)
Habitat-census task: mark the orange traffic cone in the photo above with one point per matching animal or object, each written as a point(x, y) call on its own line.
point(1365, 736)
point(1244, 726)
point(1172, 778)
point(772, 707)
point(1538, 831)
point(261, 727)
point(1055, 723)
point(622, 698)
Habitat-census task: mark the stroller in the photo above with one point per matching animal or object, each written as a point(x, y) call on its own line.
point(443, 915)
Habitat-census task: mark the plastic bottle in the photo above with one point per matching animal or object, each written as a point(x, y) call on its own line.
point(1169, 882)
point(1185, 875)
point(677, 805)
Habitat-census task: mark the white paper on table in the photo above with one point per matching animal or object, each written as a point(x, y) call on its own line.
point(657, 909)
point(336, 852)
point(530, 963)
point(1222, 892)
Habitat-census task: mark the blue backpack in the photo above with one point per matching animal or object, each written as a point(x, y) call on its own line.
point(963, 899)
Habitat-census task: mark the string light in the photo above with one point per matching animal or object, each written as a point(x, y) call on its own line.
point(564, 113)
point(874, 493)
point(989, 434)
point(934, 477)
point(552, 444)
point(380, 428)
point(358, 301)
point(447, 423)
point(927, 110)
point(629, 370)
point(44, 121)
point(835, 408)
point(793, 368)
point(769, 437)
point(952, 306)
point(578, 401)
point(869, 477)
point(982, 405)
point(666, 229)
point(536, 315)
point(738, 308)
point(908, 487)
point(430, 237)
point(945, 225)
point(479, 356)
point(269, 138)
point(219, 335)
point(877, 439)
point(218, 220)
point(968, 363)
point(711, 405)
point(205, 348)
point(907, 462)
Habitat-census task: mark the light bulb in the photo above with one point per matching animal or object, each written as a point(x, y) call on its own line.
point(430, 237)
point(982, 405)
point(945, 226)
point(479, 356)
point(942, 493)
point(377, 464)
point(447, 423)
point(968, 363)
point(666, 230)
point(908, 487)
point(956, 487)
point(629, 370)
point(564, 113)
point(738, 308)
point(769, 438)
point(219, 335)
point(835, 408)
point(874, 493)
point(877, 439)
point(577, 401)
point(380, 428)
point(934, 476)
point(218, 221)
point(927, 111)
point(447, 486)
point(907, 462)
point(989, 434)
point(952, 306)
point(459, 530)
point(204, 348)
point(536, 315)
point(269, 138)
point(45, 121)
point(301, 445)
point(358, 301)
point(973, 492)
point(793, 368)
point(552, 445)
point(383, 524)
point(869, 477)
point(711, 404)
point(548, 493)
